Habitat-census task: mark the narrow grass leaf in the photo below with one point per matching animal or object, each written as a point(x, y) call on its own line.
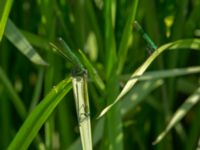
point(5, 7)
point(180, 113)
point(178, 28)
point(39, 115)
point(110, 45)
point(20, 42)
point(123, 47)
point(189, 44)
point(17, 102)
point(193, 131)
point(151, 75)
point(92, 71)
point(83, 110)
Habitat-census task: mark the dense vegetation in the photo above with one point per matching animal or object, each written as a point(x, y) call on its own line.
point(143, 88)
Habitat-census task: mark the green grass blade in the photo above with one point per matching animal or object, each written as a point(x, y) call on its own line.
point(180, 18)
point(180, 113)
point(193, 131)
point(112, 88)
point(21, 43)
point(83, 110)
point(152, 24)
point(5, 119)
point(110, 45)
point(190, 43)
point(190, 24)
point(151, 75)
point(5, 7)
point(21, 109)
point(123, 47)
point(113, 134)
point(177, 32)
point(137, 94)
point(39, 115)
point(92, 71)
point(114, 117)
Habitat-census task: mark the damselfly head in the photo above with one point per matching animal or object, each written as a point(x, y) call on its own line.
point(76, 71)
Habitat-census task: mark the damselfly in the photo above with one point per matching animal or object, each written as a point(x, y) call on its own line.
point(151, 45)
point(63, 49)
point(79, 81)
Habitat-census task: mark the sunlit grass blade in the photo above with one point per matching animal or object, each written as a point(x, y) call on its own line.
point(83, 110)
point(92, 71)
point(16, 100)
point(5, 7)
point(39, 115)
point(180, 113)
point(20, 42)
point(97, 135)
point(190, 44)
point(151, 75)
point(123, 47)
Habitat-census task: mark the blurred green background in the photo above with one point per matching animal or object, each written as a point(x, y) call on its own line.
point(104, 31)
